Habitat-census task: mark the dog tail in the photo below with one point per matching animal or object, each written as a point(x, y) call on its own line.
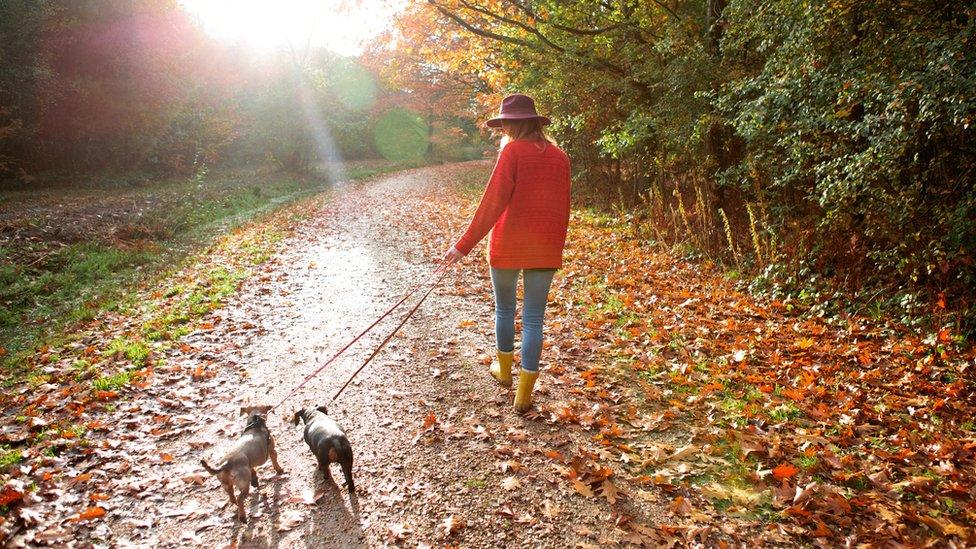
point(210, 469)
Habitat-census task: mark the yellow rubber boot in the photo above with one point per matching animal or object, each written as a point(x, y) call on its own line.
point(501, 369)
point(523, 395)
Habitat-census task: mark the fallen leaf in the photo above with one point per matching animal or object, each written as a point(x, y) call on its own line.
point(195, 478)
point(452, 524)
point(10, 495)
point(510, 483)
point(91, 513)
point(683, 452)
point(681, 506)
point(609, 491)
point(739, 496)
point(784, 471)
point(398, 531)
point(290, 519)
point(581, 488)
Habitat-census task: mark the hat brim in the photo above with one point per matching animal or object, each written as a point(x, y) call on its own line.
point(497, 121)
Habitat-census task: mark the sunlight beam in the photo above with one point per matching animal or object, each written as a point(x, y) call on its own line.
point(342, 26)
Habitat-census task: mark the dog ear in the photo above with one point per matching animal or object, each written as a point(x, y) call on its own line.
point(322, 409)
point(298, 416)
point(244, 410)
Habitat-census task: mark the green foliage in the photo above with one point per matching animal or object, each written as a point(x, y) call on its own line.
point(135, 352)
point(113, 382)
point(401, 136)
point(9, 456)
point(858, 120)
point(825, 147)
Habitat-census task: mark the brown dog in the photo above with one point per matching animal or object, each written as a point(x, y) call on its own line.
point(253, 449)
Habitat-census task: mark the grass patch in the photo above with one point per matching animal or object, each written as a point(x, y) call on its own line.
point(9, 456)
point(47, 287)
point(113, 382)
point(134, 351)
point(784, 412)
point(806, 462)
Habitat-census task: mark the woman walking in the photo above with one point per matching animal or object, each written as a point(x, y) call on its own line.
point(526, 207)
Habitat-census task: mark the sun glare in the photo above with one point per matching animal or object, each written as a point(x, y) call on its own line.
point(342, 26)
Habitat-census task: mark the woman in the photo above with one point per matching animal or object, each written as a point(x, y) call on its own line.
point(526, 208)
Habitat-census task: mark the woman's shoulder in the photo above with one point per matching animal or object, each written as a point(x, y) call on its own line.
point(545, 148)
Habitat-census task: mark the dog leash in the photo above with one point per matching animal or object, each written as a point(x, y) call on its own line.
point(441, 269)
point(390, 336)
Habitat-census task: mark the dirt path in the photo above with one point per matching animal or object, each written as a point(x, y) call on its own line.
point(440, 457)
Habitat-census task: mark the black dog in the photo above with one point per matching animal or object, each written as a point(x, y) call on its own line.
point(327, 441)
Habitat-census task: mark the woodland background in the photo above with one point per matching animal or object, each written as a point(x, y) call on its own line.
point(825, 149)
point(822, 150)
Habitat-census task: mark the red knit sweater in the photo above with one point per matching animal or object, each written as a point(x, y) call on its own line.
point(527, 203)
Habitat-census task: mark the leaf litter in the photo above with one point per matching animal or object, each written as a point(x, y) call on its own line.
point(692, 413)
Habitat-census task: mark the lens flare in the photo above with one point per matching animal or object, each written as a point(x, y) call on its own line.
point(327, 153)
point(401, 135)
point(354, 86)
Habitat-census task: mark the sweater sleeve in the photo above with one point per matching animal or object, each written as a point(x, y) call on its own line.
point(493, 202)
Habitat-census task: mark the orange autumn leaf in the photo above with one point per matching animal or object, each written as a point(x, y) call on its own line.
point(9, 495)
point(785, 470)
point(822, 531)
point(711, 388)
point(93, 512)
point(805, 343)
point(794, 394)
point(681, 506)
point(106, 395)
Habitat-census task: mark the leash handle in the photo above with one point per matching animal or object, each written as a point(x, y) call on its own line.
point(390, 336)
point(441, 268)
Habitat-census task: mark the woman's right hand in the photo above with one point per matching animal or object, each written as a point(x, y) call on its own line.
point(452, 256)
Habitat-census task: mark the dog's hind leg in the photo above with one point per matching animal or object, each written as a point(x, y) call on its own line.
point(254, 478)
point(346, 463)
point(326, 474)
point(230, 493)
point(274, 457)
point(240, 503)
point(347, 472)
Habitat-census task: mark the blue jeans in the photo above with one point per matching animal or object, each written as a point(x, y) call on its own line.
point(537, 282)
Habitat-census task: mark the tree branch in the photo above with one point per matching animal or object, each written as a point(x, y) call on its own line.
point(519, 24)
point(479, 31)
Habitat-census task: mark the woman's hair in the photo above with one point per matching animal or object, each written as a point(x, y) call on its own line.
point(530, 129)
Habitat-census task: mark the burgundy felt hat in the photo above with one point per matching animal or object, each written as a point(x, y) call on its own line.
point(516, 107)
